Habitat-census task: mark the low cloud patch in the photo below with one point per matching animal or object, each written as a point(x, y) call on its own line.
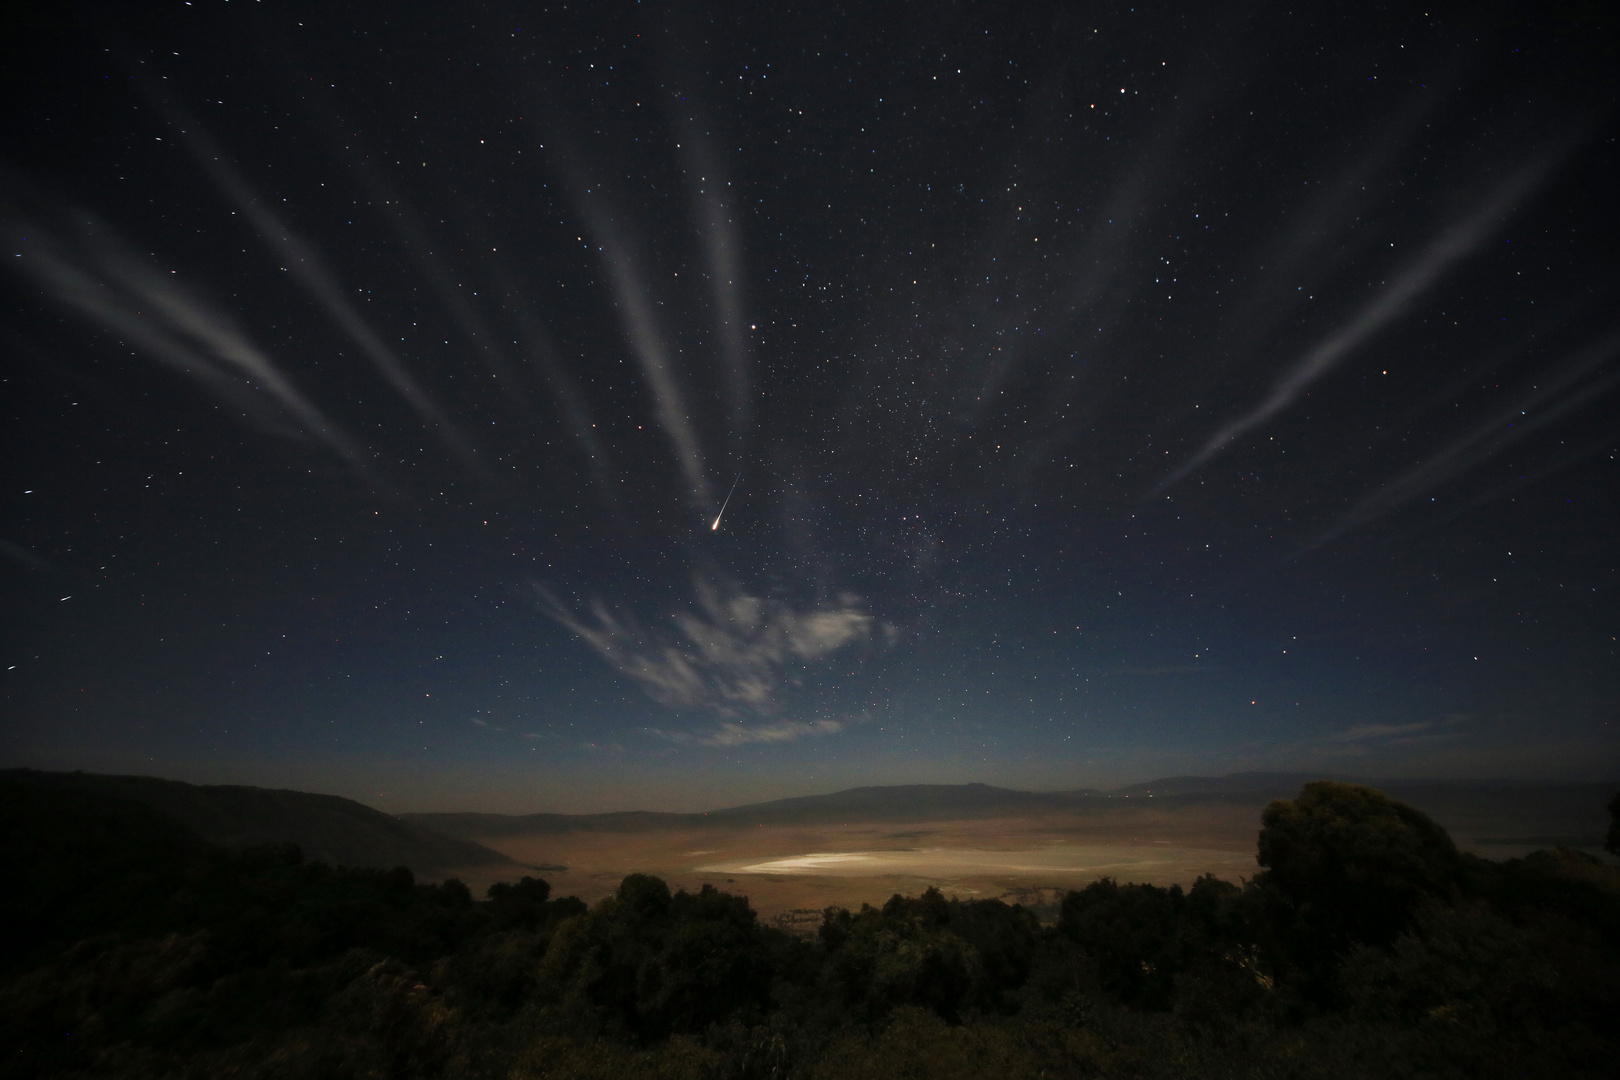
point(731, 654)
point(734, 733)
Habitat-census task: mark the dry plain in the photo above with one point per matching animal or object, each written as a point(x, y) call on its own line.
point(785, 869)
point(791, 870)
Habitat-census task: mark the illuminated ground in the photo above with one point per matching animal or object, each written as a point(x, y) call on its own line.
point(784, 868)
point(792, 871)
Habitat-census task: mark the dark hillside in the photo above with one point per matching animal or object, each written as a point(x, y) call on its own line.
point(325, 827)
point(81, 860)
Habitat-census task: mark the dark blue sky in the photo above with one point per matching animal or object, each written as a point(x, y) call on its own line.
point(1109, 392)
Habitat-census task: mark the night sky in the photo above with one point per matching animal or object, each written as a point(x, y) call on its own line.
point(1102, 393)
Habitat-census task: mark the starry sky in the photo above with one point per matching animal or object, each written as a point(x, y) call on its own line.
point(1101, 393)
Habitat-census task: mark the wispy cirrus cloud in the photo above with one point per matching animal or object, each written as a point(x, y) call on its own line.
point(733, 654)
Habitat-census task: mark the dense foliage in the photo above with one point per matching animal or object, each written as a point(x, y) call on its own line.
point(1367, 946)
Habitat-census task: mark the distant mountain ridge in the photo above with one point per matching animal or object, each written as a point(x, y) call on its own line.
point(903, 802)
point(899, 802)
point(1287, 784)
point(895, 803)
point(922, 802)
point(326, 827)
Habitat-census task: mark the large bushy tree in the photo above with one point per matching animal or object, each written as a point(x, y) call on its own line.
point(1347, 865)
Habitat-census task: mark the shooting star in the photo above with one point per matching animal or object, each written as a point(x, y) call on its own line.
point(716, 526)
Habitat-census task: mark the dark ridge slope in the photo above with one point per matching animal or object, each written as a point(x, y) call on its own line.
point(83, 859)
point(327, 827)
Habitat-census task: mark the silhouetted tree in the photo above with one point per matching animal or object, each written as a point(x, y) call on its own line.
point(1346, 865)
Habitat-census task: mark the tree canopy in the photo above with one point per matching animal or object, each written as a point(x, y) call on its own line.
point(1368, 945)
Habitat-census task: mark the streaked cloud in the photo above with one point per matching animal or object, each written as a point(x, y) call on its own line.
point(642, 329)
point(1582, 378)
point(1433, 263)
point(723, 249)
point(307, 266)
point(88, 268)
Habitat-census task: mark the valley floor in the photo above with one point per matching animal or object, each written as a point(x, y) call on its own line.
point(791, 872)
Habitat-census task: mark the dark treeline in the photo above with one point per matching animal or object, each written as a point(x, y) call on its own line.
point(1367, 946)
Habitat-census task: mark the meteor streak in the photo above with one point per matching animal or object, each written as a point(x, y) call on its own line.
point(716, 526)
